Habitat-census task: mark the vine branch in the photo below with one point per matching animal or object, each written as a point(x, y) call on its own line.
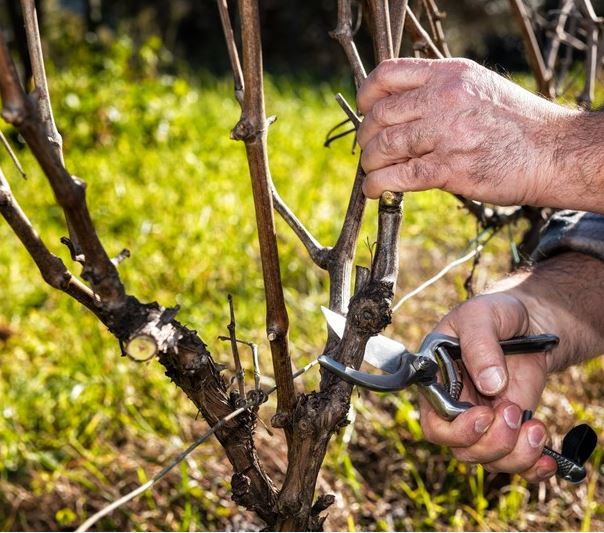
point(252, 130)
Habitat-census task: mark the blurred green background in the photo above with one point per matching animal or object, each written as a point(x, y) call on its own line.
point(146, 124)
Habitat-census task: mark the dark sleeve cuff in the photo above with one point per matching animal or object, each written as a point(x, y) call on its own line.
point(572, 231)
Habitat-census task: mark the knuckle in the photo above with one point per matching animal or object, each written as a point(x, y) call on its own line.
point(402, 174)
point(416, 169)
point(466, 455)
point(383, 71)
point(448, 91)
point(383, 111)
point(416, 142)
point(456, 91)
point(390, 140)
point(461, 65)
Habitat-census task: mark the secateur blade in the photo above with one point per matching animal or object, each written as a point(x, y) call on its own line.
point(380, 351)
point(402, 367)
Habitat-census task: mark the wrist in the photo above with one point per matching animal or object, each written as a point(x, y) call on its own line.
point(562, 296)
point(572, 167)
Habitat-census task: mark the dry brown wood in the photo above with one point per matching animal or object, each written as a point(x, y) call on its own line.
point(422, 43)
point(435, 16)
point(343, 34)
point(149, 330)
point(252, 130)
point(52, 268)
point(398, 12)
point(184, 355)
point(227, 29)
point(21, 111)
point(533, 51)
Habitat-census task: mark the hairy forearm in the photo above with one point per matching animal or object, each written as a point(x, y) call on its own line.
point(563, 295)
point(576, 179)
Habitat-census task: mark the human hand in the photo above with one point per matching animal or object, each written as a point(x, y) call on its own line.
point(492, 433)
point(561, 295)
point(455, 125)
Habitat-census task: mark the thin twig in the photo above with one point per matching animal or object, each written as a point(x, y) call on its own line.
point(554, 47)
point(438, 276)
point(12, 154)
point(177, 460)
point(229, 36)
point(343, 33)
point(544, 80)
point(21, 111)
point(256, 363)
point(316, 251)
point(254, 349)
point(34, 44)
point(239, 373)
point(356, 121)
point(52, 268)
point(591, 66)
point(420, 37)
point(434, 18)
point(333, 138)
point(480, 241)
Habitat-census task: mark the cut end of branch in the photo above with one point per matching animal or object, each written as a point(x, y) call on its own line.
point(391, 199)
point(323, 502)
point(141, 348)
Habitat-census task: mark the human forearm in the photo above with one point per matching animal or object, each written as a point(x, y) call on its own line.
point(576, 177)
point(563, 295)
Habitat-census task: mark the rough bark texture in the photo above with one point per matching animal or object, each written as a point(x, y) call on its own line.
point(180, 350)
point(150, 330)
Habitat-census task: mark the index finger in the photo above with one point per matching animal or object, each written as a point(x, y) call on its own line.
point(392, 76)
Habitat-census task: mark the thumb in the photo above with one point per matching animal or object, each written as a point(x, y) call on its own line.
point(480, 323)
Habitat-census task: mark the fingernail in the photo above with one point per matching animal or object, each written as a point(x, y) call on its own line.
point(491, 379)
point(536, 436)
point(482, 423)
point(512, 416)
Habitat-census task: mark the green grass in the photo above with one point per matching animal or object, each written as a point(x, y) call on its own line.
point(81, 425)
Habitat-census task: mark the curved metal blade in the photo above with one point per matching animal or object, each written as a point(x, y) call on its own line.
point(374, 382)
point(380, 352)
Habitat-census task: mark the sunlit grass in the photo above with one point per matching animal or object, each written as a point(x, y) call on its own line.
point(81, 425)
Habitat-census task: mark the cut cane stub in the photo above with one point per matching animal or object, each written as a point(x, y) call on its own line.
point(141, 348)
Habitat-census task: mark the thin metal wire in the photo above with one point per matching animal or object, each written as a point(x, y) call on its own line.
point(183, 455)
point(479, 245)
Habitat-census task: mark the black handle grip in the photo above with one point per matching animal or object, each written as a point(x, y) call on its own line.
point(529, 344)
point(516, 345)
point(578, 444)
point(567, 469)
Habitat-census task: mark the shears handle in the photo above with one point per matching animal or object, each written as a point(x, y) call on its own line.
point(517, 345)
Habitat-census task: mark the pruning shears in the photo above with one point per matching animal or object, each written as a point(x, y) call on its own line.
point(434, 369)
